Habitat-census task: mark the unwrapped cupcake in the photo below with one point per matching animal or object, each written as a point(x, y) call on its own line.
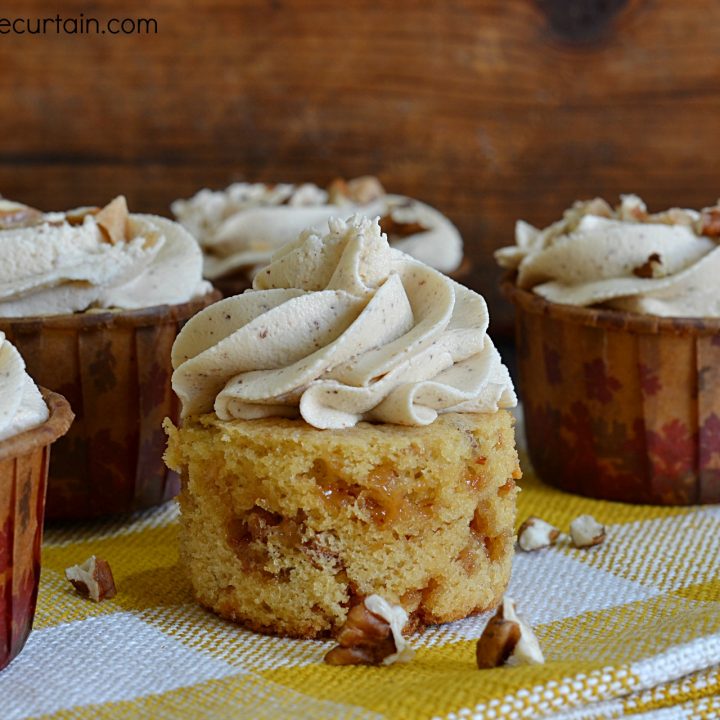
point(93, 299)
point(29, 422)
point(344, 435)
point(240, 228)
point(618, 334)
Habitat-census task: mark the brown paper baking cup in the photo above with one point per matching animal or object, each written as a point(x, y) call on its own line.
point(23, 476)
point(617, 405)
point(114, 369)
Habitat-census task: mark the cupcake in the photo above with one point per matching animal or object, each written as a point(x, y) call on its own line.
point(93, 299)
point(344, 434)
point(618, 341)
point(29, 422)
point(240, 228)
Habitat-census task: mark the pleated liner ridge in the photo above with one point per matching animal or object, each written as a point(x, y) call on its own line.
point(23, 477)
point(620, 406)
point(114, 369)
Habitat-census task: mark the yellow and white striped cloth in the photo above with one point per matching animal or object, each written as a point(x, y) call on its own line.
point(629, 628)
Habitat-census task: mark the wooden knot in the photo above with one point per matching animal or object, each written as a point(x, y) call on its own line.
point(580, 21)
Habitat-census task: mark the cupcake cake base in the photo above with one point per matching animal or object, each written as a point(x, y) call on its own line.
point(285, 527)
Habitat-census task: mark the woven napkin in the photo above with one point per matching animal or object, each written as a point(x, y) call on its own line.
point(628, 628)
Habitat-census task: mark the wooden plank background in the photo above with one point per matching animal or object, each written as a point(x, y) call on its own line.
point(490, 110)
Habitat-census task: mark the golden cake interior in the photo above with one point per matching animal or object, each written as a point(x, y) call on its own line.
point(285, 527)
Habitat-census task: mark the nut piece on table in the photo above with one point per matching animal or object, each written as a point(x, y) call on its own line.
point(507, 640)
point(372, 635)
point(535, 534)
point(93, 579)
point(586, 531)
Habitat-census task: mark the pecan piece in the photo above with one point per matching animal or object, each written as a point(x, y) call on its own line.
point(651, 268)
point(535, 534)
point(497, 643)
point(507, 640)
point(586, 531)
point(390, 226)
point(77, 215)
point(17, 215)
point(93, 579)
point(710, 222)
point(371, 635)
point(113, 219)
point(361, 190)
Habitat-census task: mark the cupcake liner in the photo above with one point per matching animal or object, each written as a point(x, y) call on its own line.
point(114, 368)
point(617, 405)
point(23, 476)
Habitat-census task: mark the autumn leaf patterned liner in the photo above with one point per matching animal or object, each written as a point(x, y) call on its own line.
point(617, 405)
point(23, 476)
point(114, 368)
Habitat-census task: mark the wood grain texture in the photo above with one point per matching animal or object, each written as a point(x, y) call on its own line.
point(489, 110)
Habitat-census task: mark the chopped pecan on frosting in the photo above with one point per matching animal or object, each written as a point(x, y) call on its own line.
point(113, 221)
point(88, 258)
point(652, 267)
point(17, 215)
point(710, 222)
point(390, 226)
point(342, 328)
point(662, 264)
point(240, 227)
point(360, 190)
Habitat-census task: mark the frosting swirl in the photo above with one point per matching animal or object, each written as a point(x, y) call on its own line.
point(663, 264)
point(21, 405)
point(240, 228)
point(55, 263)
point(339, 329)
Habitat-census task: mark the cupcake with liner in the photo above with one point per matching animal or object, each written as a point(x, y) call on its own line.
point(30, 421)
point(344, 435)
point(240, 228)
point(93, 300)
point(618, 341)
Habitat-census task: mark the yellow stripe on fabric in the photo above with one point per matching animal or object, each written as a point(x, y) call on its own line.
point(691, 691)
point(59, 603)
point(439, 681)
point(662, 553)
point(232, 698)
point(706, 592)
point(201, 629)
point(125, 553)
point(631, 632)
point(145, 567)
